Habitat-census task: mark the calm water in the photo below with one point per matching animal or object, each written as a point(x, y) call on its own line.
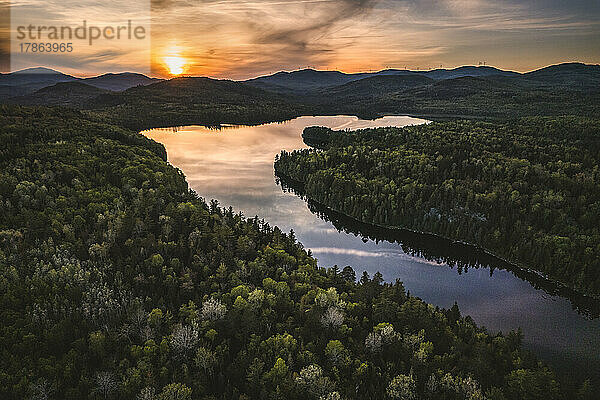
point(235, 166)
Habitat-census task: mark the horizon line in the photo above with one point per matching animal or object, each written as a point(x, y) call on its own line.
point(308, 68)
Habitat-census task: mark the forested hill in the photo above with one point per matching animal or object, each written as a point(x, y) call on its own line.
point(72, 94)
point(193, 100)
point(527, 190)
point(490, 98)
point(118, 282)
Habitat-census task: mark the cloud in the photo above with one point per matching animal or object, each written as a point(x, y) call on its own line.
point(396, 254)
point(243, 38)
point(227, 35)
point(322, 17)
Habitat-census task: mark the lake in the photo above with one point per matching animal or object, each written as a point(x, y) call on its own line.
point(234, 165)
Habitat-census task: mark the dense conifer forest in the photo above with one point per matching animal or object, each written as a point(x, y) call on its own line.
point(528, 190)
point(118, 282)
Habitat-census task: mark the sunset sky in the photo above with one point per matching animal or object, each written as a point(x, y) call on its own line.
point(242, 39)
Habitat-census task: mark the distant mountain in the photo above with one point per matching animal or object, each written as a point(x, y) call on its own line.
point(34, 75)
point(573, 75)
point(471, 71)
point(120, 81)
point(73, 94)
point(375, 86)
point(310, 80)
point(300, 81)
point(27, 81)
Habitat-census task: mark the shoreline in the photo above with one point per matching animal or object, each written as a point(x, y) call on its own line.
point(509, 265)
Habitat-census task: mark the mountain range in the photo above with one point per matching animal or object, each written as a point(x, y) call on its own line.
point(482, 91)
point(30, 80)
point(308, 80)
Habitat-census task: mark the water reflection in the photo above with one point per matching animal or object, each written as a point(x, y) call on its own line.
point(440, 250)
point(235, 166)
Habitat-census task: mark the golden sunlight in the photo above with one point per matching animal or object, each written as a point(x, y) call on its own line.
point(175, 64)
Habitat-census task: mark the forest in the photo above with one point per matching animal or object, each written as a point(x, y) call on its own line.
point(119, 282)
point(528, 190)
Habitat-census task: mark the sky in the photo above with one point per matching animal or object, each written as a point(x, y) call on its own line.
point(247, 38)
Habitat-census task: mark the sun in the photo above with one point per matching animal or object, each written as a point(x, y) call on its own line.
point(175, 64)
